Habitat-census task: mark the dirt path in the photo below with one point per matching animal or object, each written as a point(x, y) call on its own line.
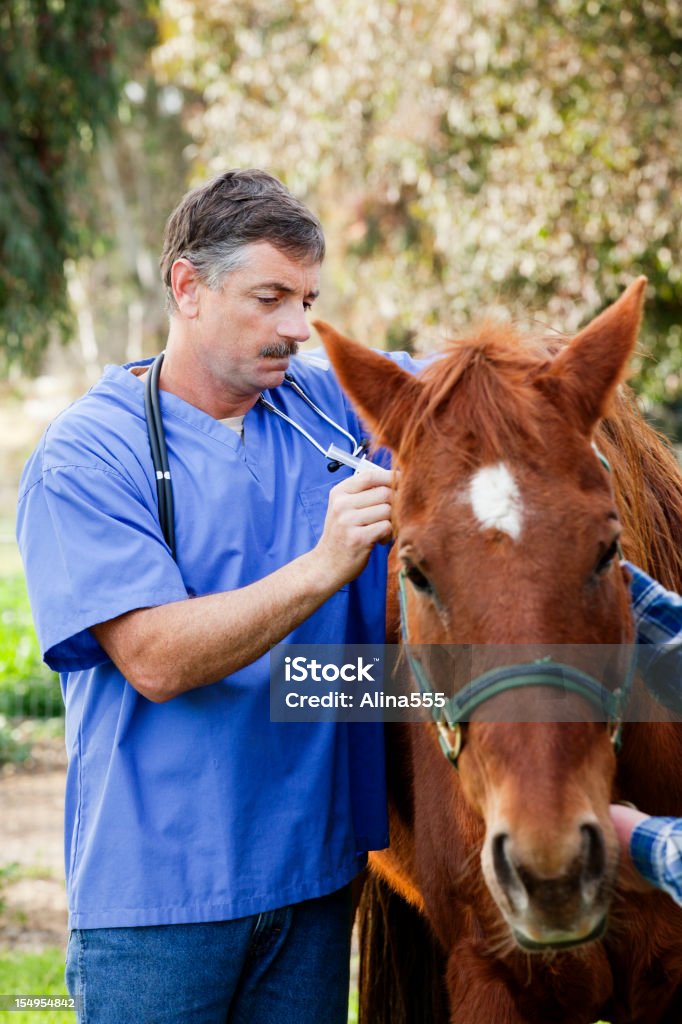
point(31, 813)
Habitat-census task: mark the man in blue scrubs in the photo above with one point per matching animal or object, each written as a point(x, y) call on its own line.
point(209, 851)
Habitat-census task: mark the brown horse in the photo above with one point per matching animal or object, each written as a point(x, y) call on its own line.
point(507, 533)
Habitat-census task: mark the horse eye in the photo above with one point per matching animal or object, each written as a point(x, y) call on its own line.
point(606, 559)
point(418, 579)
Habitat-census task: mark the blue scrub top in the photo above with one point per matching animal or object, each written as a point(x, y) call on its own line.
point(199, 809)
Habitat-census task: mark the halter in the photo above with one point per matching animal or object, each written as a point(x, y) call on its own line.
point(544, 672)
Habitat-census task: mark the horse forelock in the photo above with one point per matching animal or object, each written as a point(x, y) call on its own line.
point(479, 399)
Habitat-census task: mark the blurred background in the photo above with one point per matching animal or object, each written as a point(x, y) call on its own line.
point(514, 158)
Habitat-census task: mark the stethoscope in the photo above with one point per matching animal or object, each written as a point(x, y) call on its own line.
point(157, 443)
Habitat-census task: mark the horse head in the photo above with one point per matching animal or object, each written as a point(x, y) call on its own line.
point(507, 533)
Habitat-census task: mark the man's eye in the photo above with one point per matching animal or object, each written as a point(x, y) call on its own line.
point(267, 300)
point(307, 306)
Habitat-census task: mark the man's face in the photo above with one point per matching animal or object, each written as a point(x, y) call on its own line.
point(245, 333)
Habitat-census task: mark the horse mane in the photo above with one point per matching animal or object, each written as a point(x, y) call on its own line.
point(486, 380)
point(648, 486)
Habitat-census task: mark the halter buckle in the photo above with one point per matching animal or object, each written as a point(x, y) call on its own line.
point(450, 739)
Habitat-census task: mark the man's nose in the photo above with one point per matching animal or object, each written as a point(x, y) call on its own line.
point(294, 327)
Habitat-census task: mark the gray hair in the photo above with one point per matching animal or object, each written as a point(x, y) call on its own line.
point(214, 225)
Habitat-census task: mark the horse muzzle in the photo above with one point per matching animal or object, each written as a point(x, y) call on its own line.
point(550, 910)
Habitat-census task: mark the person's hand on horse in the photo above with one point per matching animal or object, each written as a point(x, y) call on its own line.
point(625, 820)
point(358, 517)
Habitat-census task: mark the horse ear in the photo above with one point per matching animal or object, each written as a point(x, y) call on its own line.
point(383, 393)
point(588, 371)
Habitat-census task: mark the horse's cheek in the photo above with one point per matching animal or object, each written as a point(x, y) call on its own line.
point(473, 779)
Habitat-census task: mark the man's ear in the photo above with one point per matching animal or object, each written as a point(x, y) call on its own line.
point(585, 375)
point(382, 392)
point(185, 284)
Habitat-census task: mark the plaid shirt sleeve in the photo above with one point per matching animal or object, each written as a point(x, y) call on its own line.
point(656, 851)
point(656, 844)
point(657, 611)
point(658, 618)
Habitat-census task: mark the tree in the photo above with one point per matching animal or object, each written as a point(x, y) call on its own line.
point(62, 65)
point(465, 156)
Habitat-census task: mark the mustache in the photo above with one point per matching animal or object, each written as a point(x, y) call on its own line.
point(280, 350)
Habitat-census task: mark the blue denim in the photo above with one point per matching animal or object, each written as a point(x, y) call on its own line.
point(287, 966)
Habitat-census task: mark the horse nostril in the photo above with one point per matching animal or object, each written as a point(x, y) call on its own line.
point(501, 863)
point(593, 853)
point(506, 874)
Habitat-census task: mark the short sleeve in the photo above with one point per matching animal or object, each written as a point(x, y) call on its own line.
point(92, 550)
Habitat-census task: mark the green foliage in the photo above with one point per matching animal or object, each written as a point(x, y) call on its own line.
point(353, 1007)
point(35, 974)
point(8, 874)
point(466, 158)
point(27, 686)
point(12, 749)
point(511, 157)
point(62, 64)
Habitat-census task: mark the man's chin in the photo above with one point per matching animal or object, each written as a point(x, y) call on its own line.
point(272, 375)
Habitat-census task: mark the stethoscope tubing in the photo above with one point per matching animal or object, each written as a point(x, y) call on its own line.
point(157, 443)
point(288, 379)
point(159, 451)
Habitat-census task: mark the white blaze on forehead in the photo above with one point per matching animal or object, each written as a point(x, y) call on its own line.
point(496, 500)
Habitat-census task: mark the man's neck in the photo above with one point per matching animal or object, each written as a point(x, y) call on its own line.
point(183, 376)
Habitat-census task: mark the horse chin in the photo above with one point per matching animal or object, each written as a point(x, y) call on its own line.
point(557, 943)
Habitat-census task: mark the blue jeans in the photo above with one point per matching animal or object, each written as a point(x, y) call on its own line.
point(287, 966)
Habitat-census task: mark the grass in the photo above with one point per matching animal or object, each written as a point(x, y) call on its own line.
point(29, 691)
point(35, 974)
point(27, 687)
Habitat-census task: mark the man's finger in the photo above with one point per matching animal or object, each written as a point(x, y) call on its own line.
point(374, 496)
point(373, 476)
point(374, 514)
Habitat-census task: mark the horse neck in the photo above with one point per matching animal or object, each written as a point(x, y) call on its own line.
point(648, 766)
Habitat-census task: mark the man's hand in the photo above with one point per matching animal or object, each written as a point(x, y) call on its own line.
point(166, 650)
point(358, 517)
